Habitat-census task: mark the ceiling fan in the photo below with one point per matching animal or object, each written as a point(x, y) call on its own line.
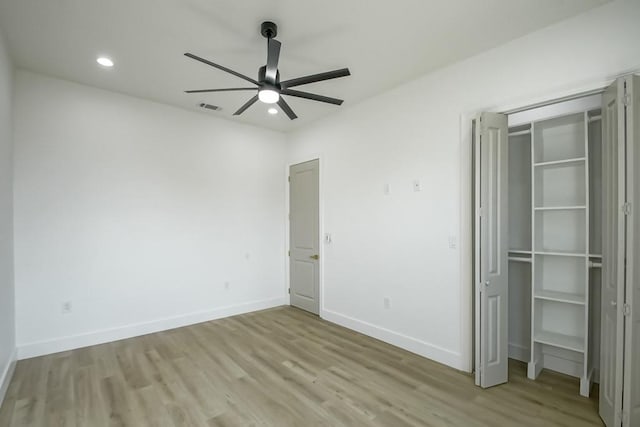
point(270, 88)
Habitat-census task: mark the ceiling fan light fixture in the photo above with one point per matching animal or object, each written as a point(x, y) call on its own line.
point(272, 111)
point(268, 96)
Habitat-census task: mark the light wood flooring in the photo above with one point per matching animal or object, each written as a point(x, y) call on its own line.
point(280, 367)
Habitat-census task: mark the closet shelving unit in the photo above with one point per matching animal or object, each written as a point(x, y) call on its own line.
point(560, 236)
point(556, 247)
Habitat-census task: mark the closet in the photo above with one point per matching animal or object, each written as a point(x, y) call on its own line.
point(554, 255)
point(557, 245)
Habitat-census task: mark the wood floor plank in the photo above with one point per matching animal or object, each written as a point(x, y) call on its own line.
point(279, 367)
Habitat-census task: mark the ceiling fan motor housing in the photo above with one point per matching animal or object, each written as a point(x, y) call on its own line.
point(261, 77)
point(269, 30)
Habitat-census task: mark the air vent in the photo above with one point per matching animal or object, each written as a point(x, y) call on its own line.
point(210, 107)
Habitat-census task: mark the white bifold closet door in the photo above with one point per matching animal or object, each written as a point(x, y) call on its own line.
point(631, 399)
point(612, 339)
point(491, 229)
point(620, 350)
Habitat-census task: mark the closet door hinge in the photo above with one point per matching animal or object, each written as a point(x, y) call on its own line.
point(626, 209)
point(289, 253)
point(626, 99)
point(480, 212)
point(626, 310)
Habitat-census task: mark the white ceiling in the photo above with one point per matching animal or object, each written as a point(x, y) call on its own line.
point(384, 43)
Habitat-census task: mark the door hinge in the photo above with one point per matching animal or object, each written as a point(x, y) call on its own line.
point(289, 290)
point(480, 212)
point(626, 99)
point(626, 310)
point(626, 208)
point(289, 253)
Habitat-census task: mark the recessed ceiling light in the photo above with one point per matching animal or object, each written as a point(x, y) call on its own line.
point(104, 61)
point(272, 111)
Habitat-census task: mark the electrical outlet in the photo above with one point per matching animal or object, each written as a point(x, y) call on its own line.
point(387, 303)
point(66, 307)
point(227, 286)
point(416, 185)
point(453, 242)
point(327, 238)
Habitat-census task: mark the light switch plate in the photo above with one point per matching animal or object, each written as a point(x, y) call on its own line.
point(453, 242)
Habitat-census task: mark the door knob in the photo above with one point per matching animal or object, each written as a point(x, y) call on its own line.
point(487, 283)
point(614, 303)
point(315, 257)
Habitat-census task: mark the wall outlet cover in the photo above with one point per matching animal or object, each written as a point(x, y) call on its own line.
point(66, 307)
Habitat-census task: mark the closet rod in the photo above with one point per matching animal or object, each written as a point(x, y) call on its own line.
point(519, 259)
point(595, 264)
point(556, 101)
point(522, 132)
point(595, 118)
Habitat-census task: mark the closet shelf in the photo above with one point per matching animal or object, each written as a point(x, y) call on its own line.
point(558, 208)
point(560, 297)
point(568, 342)
point(560, 162)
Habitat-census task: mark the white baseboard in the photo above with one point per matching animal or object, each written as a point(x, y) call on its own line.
point(519, 352)
point(564, 366)
point(7, 374)
point(57, 345)
point(422, 348)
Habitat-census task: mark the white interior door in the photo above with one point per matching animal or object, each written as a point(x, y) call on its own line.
point(612, 319)
point(491, 262)
point(304, 244)
point(631, 399)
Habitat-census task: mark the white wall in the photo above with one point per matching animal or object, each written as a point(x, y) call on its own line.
point(7, 300)
point(138, 213)
point(397, 246)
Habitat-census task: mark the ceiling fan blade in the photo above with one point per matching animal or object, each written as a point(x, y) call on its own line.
point(311, 96)
point(247, 105)
point(344, 72)
point(273, 56)
point(219, 90)
point(285, 107)
point(220, 67)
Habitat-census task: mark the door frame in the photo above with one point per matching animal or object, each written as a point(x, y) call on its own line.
point(287, 265)
point(467, 350)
